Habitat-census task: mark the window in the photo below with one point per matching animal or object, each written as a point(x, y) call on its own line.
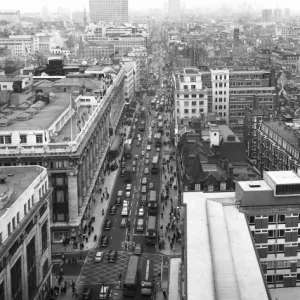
point(220, 84)
point(271, 233)
point(194, 103)
point(39, 138)
point(23, 139)
point(201, 110)
point(220, 99)
point(216, 106)
point(1, 238)
point(281, 233)
point(186, 111)
point(186, 96)
point(25, 209)
point(28, 204)
point(185, 87)
point(220, 106)
point(280, 247)
point(186, 103)
point(193, 111)
point(177, 103)
point(5, 139)
point(193, 87)
point(220, 92)
point(251, 220)
point(272, 218)
point(210, 188)
point(197, 187)
point(18, 217)
point(194, 96)
point(201, 103)
point(8, 228)
point(32, 200)
point(193, 79)
point(178, 110)
point(281, 218)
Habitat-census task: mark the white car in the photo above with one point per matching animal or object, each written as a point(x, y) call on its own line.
point(128, 194)
point(98, 256)
point(128, 187)
point(144, 180)
point(125, 211)
point(120, 193)
point(125, 203)
point(141, 212)
point(148, 148)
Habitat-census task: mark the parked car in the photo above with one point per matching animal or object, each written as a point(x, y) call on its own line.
point(113, 210)
point(141, 212)
point(144, 200)
point(151, 186)
point(144, 180)
point(120, 193)
point(107, 224)
point(104, 292)
point(125, 211)
point(86, 293)
point(144, 189)
point(124, 222)
point(128, 187)
point(138, 249)
point(136, 157)
point(104, 241)
point(138, 144)
point(128, 194)
point(122, 173)
point(147, 155)
point(147, 161)
point(146, 171)
point(118, 201)
point(148, 148)
point(98, 256)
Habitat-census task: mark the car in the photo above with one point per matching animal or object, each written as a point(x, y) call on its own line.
point(142, 153)
point(124, 222)
point(104, 241)
point(144, 180)
point(112, 256)
point(136, 157)
point(107, 225)
point(151, 186)
point(147, 161)
point(148, 148)
point(133, 169)
point(144, 200)
point(128, 194)
point(120, 193)
point(138, 249)
point(86, 293)
point(125, 203)
point(113, 210)
point(118, 201)
point(144, 189)
point(146, 171)
point(134, 163)
point(164, 161)
point(123, 164)
point(147, 155)
point(98, 256)
point(158, 149)
point(122, 173)
point(125, 211)
point(141, 212)
point(138, 144)
point(104, 292)
point(128, 187)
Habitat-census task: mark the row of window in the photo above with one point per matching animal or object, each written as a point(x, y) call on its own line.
point(193, 111)
point(272, 219)
point(220, 107)
point(220, 77)
point(186, 87)
point(186, 96)
point(6, 139)
point(220, 99)
point(194, 103)
point(220, 84)
point(220, 92)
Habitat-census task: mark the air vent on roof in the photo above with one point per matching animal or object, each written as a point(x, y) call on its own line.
point(2, 179)
point(253, 184)
point(4, 122)
point(24, 117)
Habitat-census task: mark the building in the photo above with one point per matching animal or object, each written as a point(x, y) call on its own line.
point(286, 60)
point(278, 14)
point(25, 243)
point(287, 13)
point(174, 8)
point(252, 121)
point(11, 16)
point(278, 145)
point(129, 85)
point(108, 10)
point(94, 51)
point(216, 241)
point(267, 15)
point(287, 31)
point(271, 207)
point(70, 134)
point(190, 96)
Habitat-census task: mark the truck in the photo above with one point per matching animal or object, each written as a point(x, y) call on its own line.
point(128, 174)
point(152, 203)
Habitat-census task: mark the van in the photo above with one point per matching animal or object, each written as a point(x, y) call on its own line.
point(112, 256)
point(140, 225)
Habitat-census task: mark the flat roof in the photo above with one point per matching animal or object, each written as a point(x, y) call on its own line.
point(285, 177)
point(19, 178)
point(255, 185)
point(44, 117)
point(221, 259)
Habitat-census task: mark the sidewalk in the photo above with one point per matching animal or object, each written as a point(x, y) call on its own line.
point(96, 211)
point(166, 205)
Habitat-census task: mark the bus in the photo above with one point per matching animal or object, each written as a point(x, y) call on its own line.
point(158, 139)
point(160, 127)
point(142, 126)
point(155, 165)
point(153, 103)
point(151, 233)
point(127, 149)
point(131, 276)
point(152, 203)
point(147, 278)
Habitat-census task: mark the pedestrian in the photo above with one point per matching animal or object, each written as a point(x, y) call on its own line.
point(169, 238)
point(101, 199)
point(86, 239)
point(163, 208)
point(162, 215)
point(171, 200)
point(165, 177)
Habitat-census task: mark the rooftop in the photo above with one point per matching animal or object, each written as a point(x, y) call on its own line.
point(286, 177)
point(221, 260)
point(18, 179)
point(255, 185)
point(42, 119)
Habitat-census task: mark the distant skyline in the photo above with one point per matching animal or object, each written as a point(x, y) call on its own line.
point(36, 6)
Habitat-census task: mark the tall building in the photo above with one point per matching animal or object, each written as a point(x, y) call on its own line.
point(109, 10)
point(174, 8)
point(287, 13)
point(278, 14)
point(267, 15)
point(10, 16)
point(25, 243)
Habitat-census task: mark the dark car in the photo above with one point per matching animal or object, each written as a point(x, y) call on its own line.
point(113, 210)
point(107, 225)
point(122, 172)
point(104, 241)
point(112, 256)
point(144, 200)
point(86, 293)
point(118, 201)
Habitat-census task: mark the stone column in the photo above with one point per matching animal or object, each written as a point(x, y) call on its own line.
point(79, 185)
point(87, 170)
point(7, 282)
point(95, 154)
point(83, 178)
point(73, 197)
point(91, 162)
point(24, 269)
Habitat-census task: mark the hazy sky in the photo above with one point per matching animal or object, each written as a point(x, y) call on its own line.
point(35, 5)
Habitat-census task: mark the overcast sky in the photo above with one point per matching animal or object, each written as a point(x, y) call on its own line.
point(35, 5)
